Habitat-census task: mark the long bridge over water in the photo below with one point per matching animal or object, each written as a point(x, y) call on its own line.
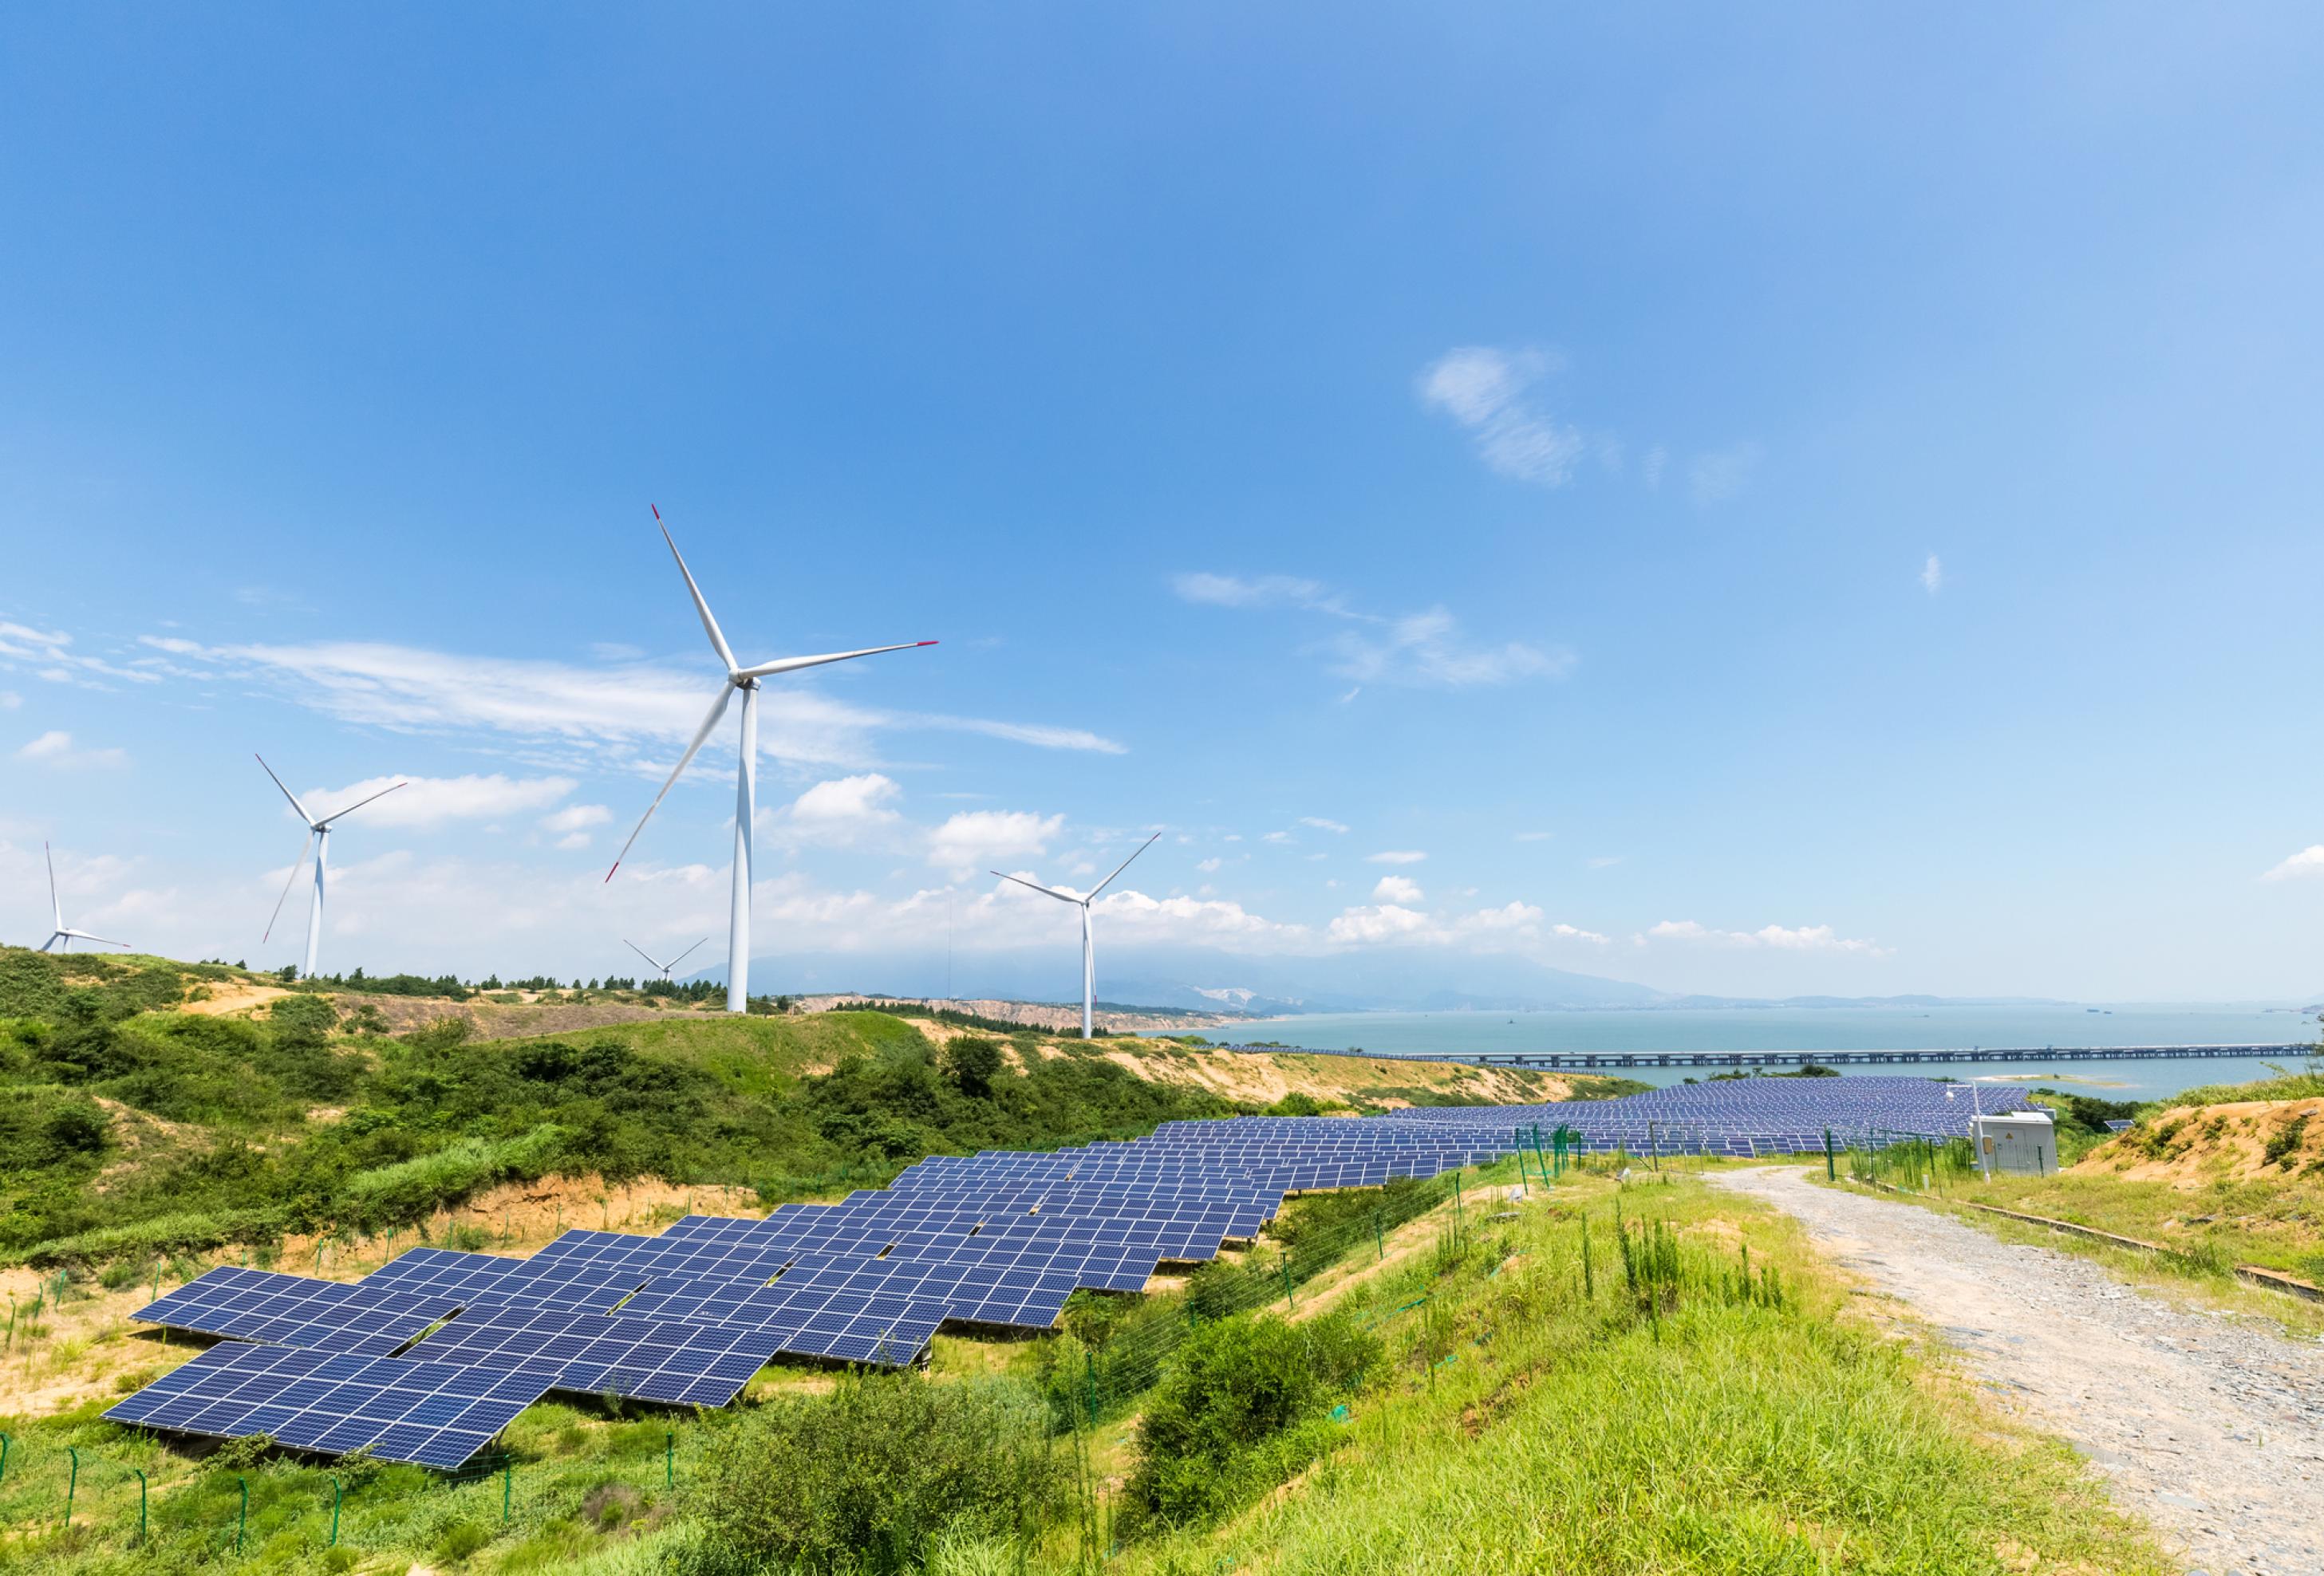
point(1589, 1061)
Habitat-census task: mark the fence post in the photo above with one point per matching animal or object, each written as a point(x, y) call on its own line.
point(1831, 1161)
point(141, 1506)
point(508, 1482)
point(4, 1443)
point(1283, 1262)
point(1459, 1219)
point(334, 1514)
point(1379, 1237)
point(72, 1484)
point(242, 1524)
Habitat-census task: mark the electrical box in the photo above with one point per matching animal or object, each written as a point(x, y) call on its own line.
point(2016, 1141)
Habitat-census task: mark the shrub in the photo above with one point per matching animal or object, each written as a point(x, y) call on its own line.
point(869, 1475)
point(973, 1061)
point(1221, 1423)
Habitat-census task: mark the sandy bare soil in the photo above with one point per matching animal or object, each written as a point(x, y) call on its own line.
point(1040, 1015)
point(2215, 1142)
point(2210, 1425)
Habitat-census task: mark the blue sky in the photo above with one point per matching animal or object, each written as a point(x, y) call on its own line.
point(1819, 502)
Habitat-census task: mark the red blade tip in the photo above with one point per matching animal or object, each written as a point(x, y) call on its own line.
point(926, 642)
point(656, 511)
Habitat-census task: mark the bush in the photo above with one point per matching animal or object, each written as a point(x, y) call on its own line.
point(973, 1061)
point(1226, 1420)
point(869, 1475)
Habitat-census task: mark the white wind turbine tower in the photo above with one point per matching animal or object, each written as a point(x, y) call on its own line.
point(64, 935)
point(661, 967)
point(1089, 958)
point(746, 771)
point(318, 834)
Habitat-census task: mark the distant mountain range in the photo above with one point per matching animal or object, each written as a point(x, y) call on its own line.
point(1382, 980)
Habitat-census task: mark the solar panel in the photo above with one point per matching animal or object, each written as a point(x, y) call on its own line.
point(646, 1359)
point(437, 1414)
point(294, 1309)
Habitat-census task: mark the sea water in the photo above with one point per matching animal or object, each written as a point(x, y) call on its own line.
point(1842, 1028)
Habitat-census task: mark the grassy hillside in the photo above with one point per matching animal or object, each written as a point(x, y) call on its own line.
point(149, 1108)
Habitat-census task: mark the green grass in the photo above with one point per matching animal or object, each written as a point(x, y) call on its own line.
point(1569, 1432)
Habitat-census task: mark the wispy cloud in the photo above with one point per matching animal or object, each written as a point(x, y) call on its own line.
point(1322, 824)
point(1396, 856)
point(2308, 861)
point(1821, 938)
point(49, 654)
point(623, 705)
point(570, 825)
point(1534, 836)
point(1484, 390)
point(982, 839)
point(427, 802)
point(1423, 648)
point(55, 749)
point(1932, 575)
point(1721, 474)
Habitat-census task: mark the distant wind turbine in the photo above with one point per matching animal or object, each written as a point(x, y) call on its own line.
point(661, 967)
point(319, 835)
point(746, 771)
point(1089, 959)
point(62, 937)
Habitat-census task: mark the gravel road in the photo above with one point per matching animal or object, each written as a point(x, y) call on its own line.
point(2210, 1428)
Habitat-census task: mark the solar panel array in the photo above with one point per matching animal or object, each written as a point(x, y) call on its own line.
point(426, 1358)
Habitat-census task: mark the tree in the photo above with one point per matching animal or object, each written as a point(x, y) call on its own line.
point(973, 1061)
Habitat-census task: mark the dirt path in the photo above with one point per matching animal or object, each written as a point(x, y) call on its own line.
point(2212, 1429)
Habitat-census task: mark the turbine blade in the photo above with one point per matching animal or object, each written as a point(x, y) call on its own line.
point(1020, 880)
point(85, 935)
point(717, 710)
point(286, 792)
point(793, 664)
point(298, 865)
point(709, 624)
point(642, 952)
point(56, 904)
point(1124, 865)
point(382, 793)
point(676, 960)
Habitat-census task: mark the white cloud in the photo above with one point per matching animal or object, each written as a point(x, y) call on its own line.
point(1820, 938)
point(1483, 389)
point(1603, 861)
point(1932, 575)
point(1276, 837)
point(981, 839)
point(1396, 889)
point(1534, 836)
point(10, 700)
point(1427, 649)
point(1253, 591)
point(1420, 649)
point(1208, 866)
point(1321, 825)
point(20, 644)
point(615, 706)
point(2308, 861)
point(425, 802)
point(1386, 922)
point(845, 812)
point(1568, 933)
point(1396, 856)
point(55, 749)
point(570, 825)
point(1721, 474)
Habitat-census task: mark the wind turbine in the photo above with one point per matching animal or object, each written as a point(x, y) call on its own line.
point(318, 834)
point(1089, 959)
point(64, 935)
point(746, 771)
point(663, 968)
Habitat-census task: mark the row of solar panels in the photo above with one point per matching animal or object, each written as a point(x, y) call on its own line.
point(416, 1360)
